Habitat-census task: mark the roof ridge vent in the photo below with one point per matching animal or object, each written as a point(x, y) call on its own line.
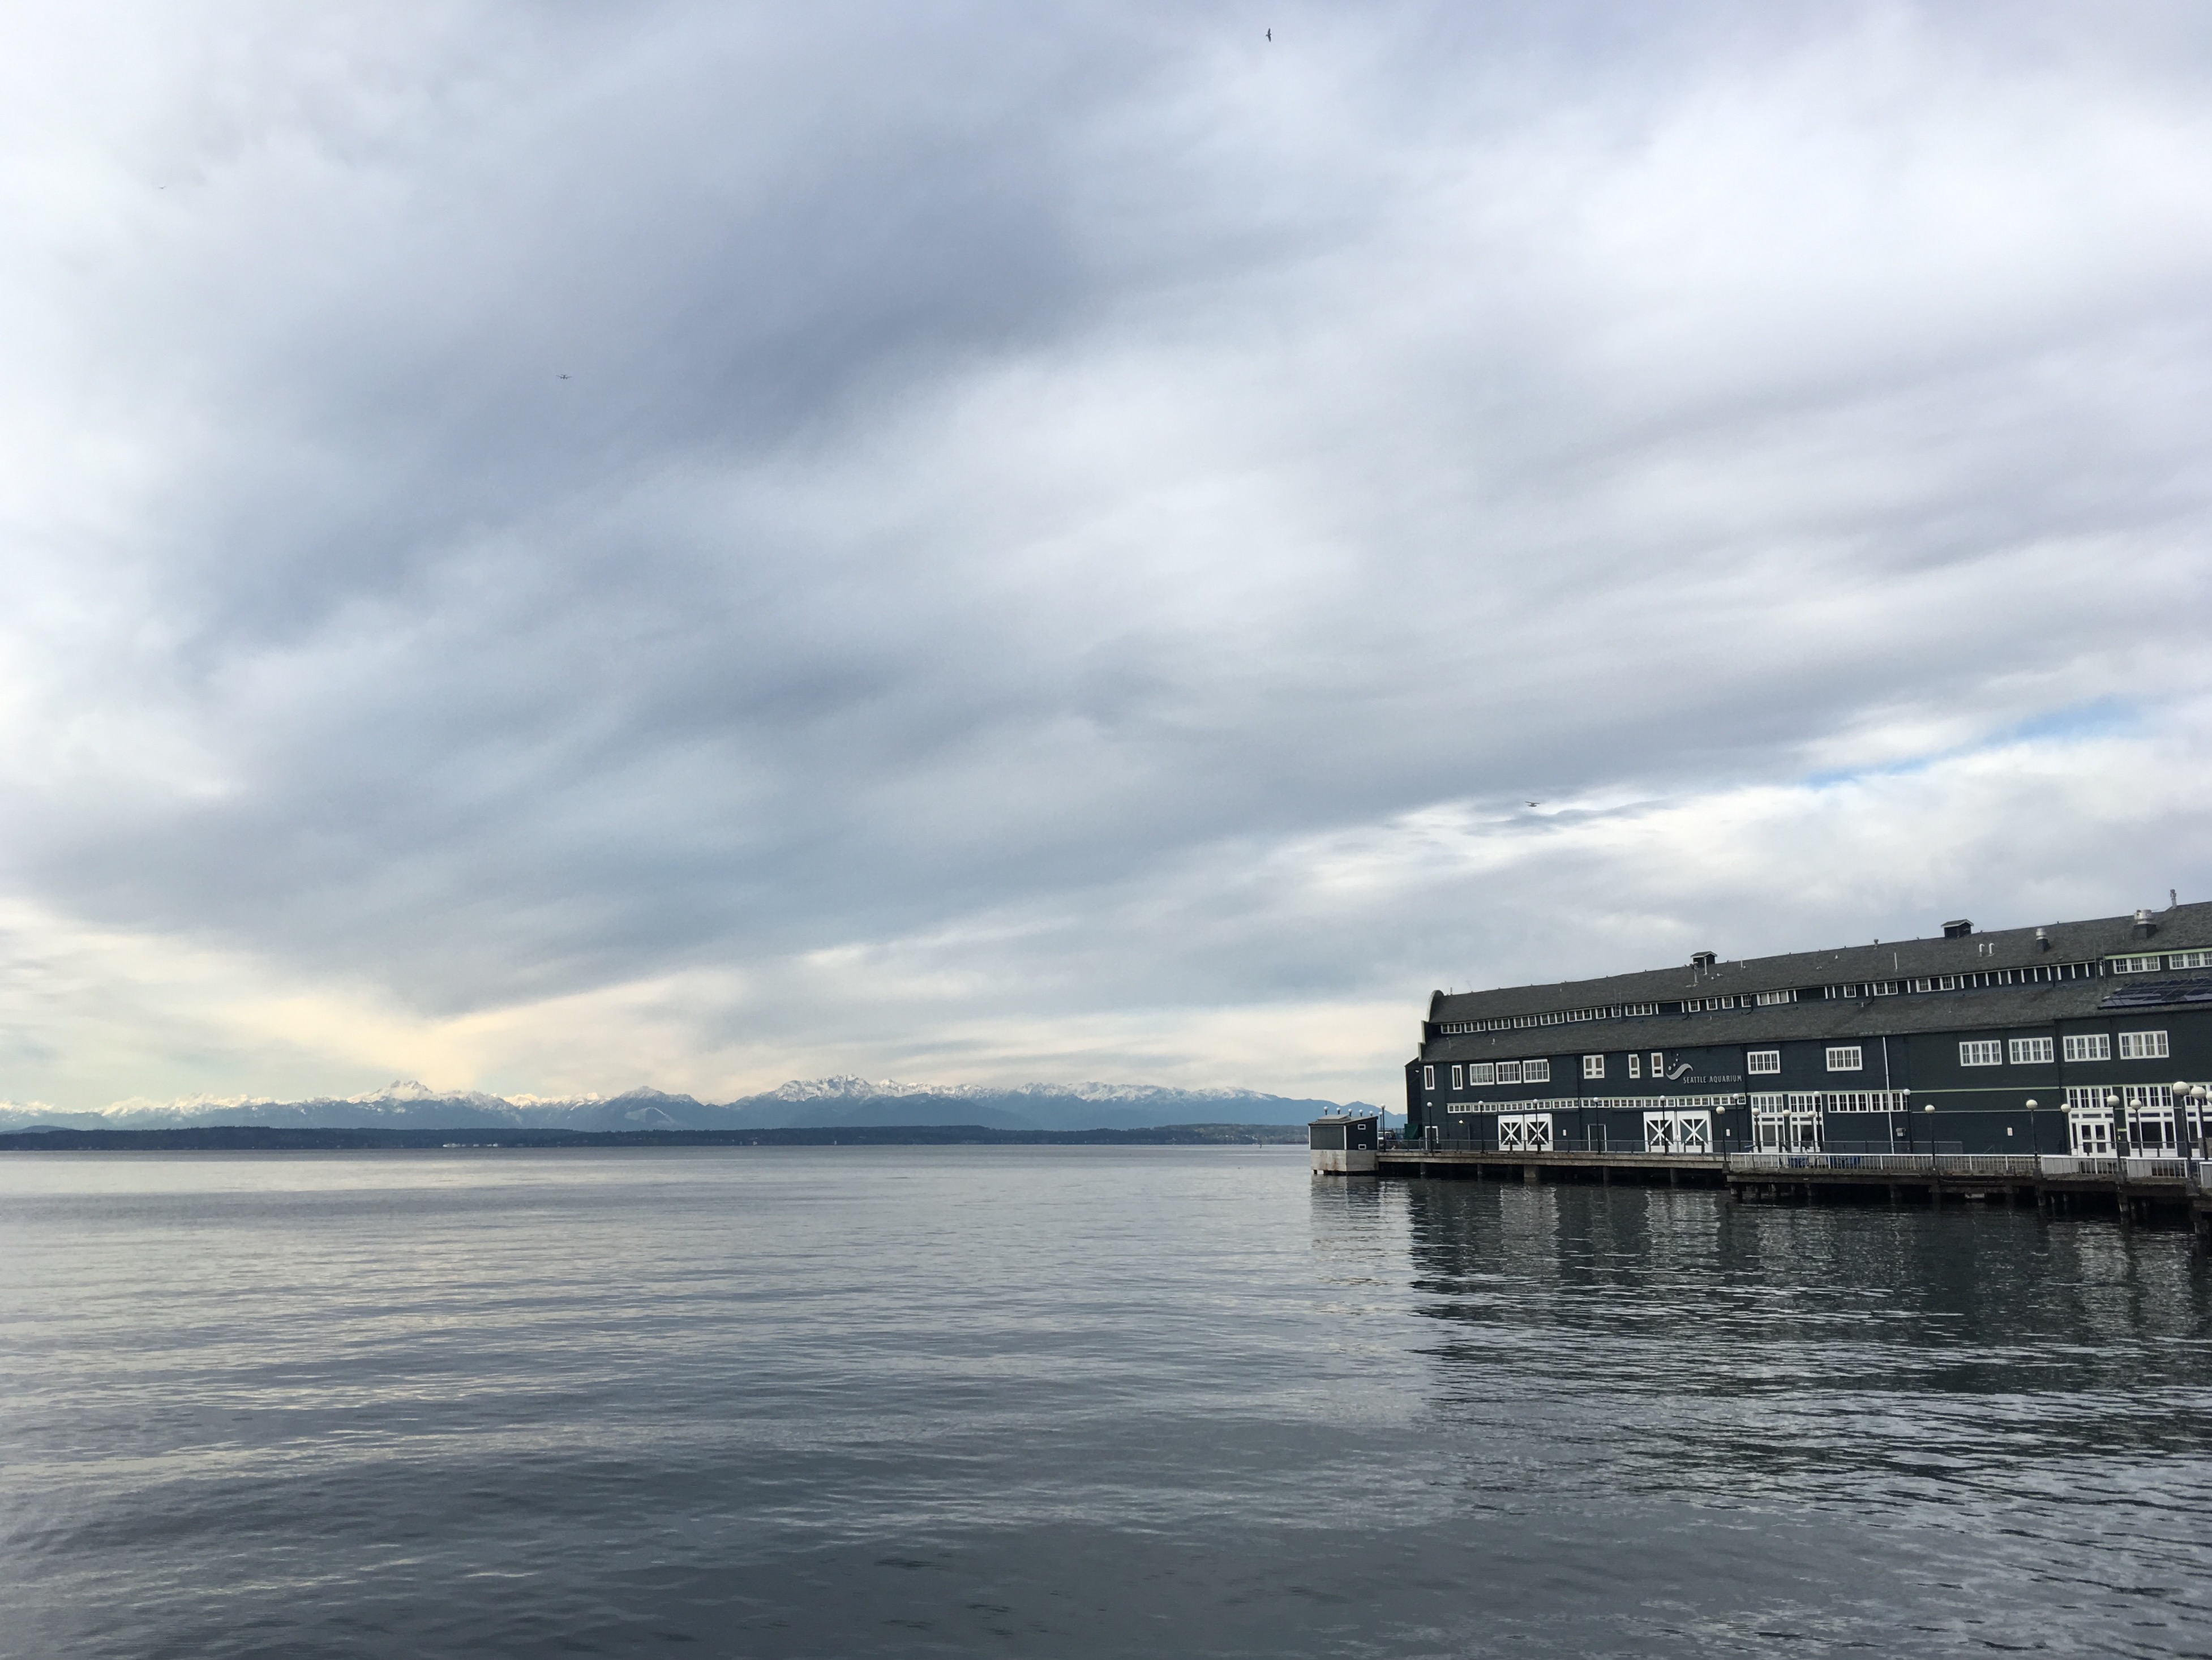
point(1958, 929)
point(1703, 960)
point(2144, 927)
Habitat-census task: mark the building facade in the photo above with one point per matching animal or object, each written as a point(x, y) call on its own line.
point(2088, 1038)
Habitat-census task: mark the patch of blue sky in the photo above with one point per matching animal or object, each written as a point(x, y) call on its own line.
point(2102, 717)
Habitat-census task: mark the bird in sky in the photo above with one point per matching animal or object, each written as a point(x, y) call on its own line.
point(1271, 35)
point(564, 377)
point(1535, 804)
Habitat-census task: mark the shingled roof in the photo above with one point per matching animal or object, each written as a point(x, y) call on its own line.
point(2181, 927)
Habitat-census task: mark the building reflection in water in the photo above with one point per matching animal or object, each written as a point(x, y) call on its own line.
point(1673, 1341)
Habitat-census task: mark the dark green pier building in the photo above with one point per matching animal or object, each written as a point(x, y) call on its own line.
point(2076, 1038)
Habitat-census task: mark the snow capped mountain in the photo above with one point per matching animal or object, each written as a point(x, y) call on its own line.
point(848, 1087)
point(843, 1099)
point(404, 1091)
point(185, 1109)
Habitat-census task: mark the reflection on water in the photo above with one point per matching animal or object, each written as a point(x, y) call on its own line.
point(2000, 1421)
point(1072, 1401)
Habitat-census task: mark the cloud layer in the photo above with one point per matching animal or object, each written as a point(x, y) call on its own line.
point(548, 549)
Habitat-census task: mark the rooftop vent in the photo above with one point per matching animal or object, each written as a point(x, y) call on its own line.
point(1958, 930)
point(1702, 959)
point(2144, 927)
point(2042, 941)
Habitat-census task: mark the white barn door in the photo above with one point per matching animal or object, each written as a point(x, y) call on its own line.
point(1524, 1132)
point(1678, 1132)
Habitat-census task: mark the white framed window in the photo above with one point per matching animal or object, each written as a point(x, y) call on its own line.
point(2088, 1046)
point(1988, 1053)
point(1848, 1057)
point(1946, 982)
point(2189, 959)
point(1763, 1060)
point(1428, 1078)
point(2028, 1051)
point(1508, 1072)
point(1658, 1064)
point(1767, 999)
point(1863, 1100)
point(1593, 1066)
point(1455, 1080)
point(2085, 1099)
point(1535, 1071)
point(2135, 964)
point(1480, 1072)
point(2142, 1046)
point(1883, 988)
point(1925, 983)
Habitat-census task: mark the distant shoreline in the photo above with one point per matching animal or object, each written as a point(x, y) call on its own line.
point(269, 1137)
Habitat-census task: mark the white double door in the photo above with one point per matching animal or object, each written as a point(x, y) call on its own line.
point(1678, 1132)
point(2089, 1133)
point(1524, 1132)
point(1786, 1131)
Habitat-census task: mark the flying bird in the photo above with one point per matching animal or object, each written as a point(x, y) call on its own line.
point(1271, 35)
point(564, 377)
point(1535, 804)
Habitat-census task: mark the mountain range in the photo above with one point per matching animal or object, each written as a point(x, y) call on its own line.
point(822, 1101)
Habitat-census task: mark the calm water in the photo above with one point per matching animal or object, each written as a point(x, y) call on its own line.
point(1072, 1402)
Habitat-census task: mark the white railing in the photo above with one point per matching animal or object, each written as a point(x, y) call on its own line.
point(2010, 1165)
point(1900, 1163)
point(2052, 1165)
point(2116, 1169)
point(2157, 1169)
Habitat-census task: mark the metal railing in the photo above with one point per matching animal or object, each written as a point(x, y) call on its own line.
point(2193, 1174)
point(2052, 1164)
point(2011, 1165)
point(1901, 1163)
point(2003, 1166)
point(2157, 1169)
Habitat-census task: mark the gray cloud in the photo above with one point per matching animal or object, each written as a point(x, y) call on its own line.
point(1048, 513)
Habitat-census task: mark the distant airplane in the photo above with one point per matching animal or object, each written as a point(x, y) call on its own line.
point(564, 377)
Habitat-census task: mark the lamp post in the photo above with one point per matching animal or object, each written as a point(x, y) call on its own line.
point(2120, 1159)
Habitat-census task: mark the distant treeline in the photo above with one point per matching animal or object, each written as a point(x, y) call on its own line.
point(264, 1138)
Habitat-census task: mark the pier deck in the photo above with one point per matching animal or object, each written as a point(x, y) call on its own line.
point(1669, 1169)
point(2135, 1188)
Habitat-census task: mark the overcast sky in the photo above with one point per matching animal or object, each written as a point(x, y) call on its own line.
point(553, 547)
